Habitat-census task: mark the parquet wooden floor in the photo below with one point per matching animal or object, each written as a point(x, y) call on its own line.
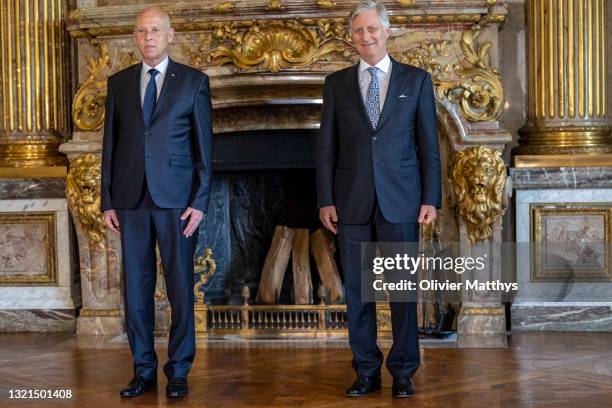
point(538, 370)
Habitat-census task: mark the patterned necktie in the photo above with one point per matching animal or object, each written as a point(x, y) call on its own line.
point(373, 97)
point(150, 98)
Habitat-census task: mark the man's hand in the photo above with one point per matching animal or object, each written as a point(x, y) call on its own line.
point(195, 216)
point(427, 215)
point(329, 218)
point(111, 220)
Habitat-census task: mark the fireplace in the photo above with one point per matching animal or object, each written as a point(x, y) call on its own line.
point(267, 70)
point(261, 179)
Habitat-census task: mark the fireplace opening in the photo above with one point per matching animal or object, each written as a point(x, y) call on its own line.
point(264, 150)
point(261, 179)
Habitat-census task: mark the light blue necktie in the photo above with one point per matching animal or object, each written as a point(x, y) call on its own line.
point(372, 101)
point(150, 98)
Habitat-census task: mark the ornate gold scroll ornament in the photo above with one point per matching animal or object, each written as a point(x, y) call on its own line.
point(88, 105)
point(327, 4)
point(272, 46)
point(223, 8)
point(432, 56)
point(206, 267)
point(275, 5)
point(479, 92)
point(406, 3)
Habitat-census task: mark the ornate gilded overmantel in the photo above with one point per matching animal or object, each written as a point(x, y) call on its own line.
point(267, 61)
point(243, 46)
point(114, 17)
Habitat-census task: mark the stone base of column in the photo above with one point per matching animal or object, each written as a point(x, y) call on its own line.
point(29, 151)
point(539, 162)
point(482, 326)
point(592, 140)
point(562, 316)
point(93, 321)
point(41, 320)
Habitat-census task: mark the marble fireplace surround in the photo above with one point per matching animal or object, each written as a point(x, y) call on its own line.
point(267, 61)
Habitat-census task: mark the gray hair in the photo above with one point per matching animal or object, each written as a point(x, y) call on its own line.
point(364, 6)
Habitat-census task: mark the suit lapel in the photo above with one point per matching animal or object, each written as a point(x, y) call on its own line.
point(396, 83)
point(168, 85)
point(351, 82)
point(136, 72)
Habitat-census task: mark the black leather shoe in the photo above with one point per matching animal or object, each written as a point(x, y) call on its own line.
point(403, 388)
point(177, 387)
point(137, 387)
point(363, 386)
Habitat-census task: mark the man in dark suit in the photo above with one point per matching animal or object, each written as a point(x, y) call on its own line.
point(156, 177)
point(378, 176)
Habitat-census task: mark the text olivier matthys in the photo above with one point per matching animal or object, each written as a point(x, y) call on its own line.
point(409, 264)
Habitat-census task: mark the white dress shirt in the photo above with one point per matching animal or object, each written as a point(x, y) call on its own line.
point(384, 74)
point(145, 77)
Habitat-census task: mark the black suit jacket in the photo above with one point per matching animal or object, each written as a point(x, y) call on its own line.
point(174, 151)
point(398, 162)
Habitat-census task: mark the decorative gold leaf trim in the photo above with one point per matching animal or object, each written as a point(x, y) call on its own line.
point(481, 311)
point(406, 3)
point(83, 192)
point(223, 8)
point(206, 267)
point(479, 92)
point(48, 277)
point(432, 56)
point(273, 46)
point(198, 26)
point(100, 313)
point(88, 104)
point(327, 4)
point(479, 180)
point(275, 5)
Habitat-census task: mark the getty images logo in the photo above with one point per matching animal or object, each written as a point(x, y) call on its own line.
point(411, 264)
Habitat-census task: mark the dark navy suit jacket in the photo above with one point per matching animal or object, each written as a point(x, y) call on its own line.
point(397, 163)
point(174, 150)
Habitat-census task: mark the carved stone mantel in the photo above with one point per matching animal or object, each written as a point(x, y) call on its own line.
point(252, 54)
point(267, 61)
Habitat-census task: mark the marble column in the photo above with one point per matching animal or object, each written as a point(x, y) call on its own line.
point(34, 83)
point(567, 102)
point(37, 288)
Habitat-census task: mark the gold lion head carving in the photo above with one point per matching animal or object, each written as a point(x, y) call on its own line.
point(479, 177)
point(83, 191)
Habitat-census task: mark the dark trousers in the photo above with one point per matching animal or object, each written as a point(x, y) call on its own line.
point(141, 228)
point(403, 359)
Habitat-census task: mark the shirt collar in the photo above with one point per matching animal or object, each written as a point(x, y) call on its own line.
point(161, 67)
point(384, 64)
